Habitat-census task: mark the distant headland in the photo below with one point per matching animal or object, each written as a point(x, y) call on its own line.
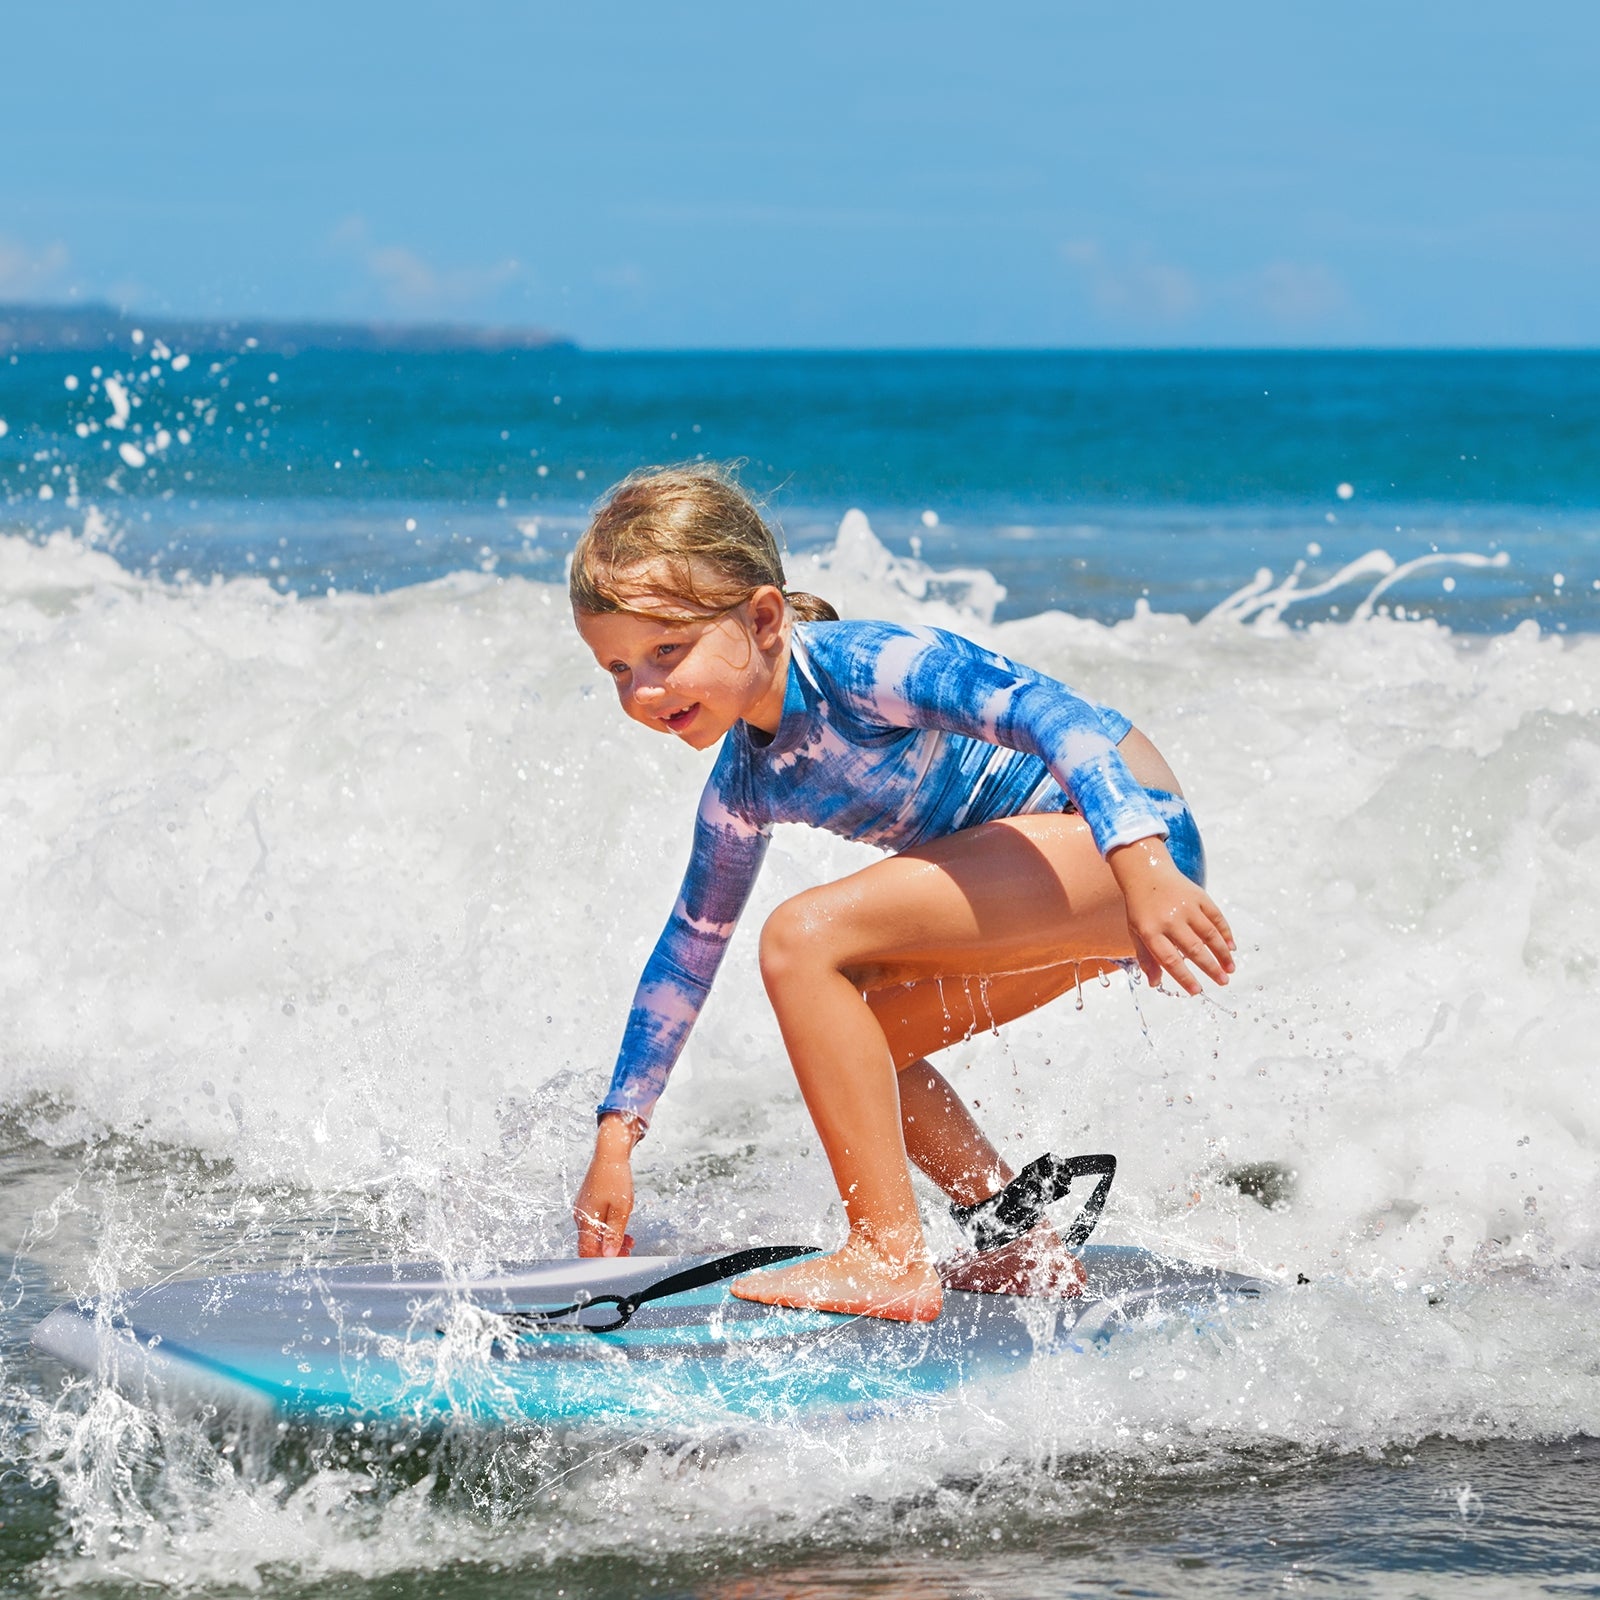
point(87, 328)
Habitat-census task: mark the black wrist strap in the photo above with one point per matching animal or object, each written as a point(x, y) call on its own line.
point(1021, 1205)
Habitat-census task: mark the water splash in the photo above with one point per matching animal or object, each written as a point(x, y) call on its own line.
point(449, 858)
point(1264, 601)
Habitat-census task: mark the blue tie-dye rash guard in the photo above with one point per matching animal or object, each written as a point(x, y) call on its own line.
point(891, 735)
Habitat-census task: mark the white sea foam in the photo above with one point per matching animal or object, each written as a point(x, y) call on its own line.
point(351, 893)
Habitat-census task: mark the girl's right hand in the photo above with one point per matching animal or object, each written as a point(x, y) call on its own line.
point(1173, 921)
point(605, 1200)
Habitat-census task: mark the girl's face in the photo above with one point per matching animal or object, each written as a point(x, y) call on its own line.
point(696, 679)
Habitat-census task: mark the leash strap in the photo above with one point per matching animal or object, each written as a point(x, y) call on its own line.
point(708, 1272)
point(1019, 1206)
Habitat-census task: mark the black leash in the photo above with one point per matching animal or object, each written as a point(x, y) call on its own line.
point(730, 1266)
point(994, 1222)
point(1019, 1206)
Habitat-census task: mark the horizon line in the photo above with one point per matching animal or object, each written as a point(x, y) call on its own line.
point(442, 335)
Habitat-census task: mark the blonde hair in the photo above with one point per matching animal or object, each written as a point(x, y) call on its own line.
point(688, 533)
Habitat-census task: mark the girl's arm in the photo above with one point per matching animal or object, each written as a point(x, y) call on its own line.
point(925, 678)
point(726, 857)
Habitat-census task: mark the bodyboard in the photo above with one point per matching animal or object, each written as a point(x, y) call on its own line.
point(414, 1343)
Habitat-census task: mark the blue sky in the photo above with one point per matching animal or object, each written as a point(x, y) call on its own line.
point(828, 174)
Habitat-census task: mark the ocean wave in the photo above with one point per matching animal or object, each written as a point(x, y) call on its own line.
point(330, 908)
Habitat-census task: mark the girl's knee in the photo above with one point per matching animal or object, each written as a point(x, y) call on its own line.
point(793, 939)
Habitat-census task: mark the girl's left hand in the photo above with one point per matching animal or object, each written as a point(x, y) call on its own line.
point(604, 1202)
point(1174, 922)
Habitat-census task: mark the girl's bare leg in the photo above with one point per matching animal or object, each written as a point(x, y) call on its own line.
point(921, 1018)
point(944, 1141)
point(940, 1134)
point(1009, 899)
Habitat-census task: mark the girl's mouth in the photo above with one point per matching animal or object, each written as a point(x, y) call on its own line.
point(679, 720)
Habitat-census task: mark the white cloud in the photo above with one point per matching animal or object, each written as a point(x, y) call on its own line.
point(1281, 299)
point(413, 285)
point(1135, 288)
point(26, 274)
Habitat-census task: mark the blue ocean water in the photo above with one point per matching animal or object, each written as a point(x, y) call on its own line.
point(1083, 481)
point(329, 866)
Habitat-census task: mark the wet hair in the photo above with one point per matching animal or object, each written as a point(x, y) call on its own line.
point(688, 535)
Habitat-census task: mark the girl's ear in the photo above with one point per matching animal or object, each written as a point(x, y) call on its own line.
point(767, 608)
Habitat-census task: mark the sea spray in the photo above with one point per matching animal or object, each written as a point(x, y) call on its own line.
point(324, 916)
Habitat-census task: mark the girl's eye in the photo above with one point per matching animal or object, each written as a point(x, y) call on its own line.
point(664, 650)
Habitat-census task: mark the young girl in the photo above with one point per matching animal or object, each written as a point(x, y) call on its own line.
point(1036, 838)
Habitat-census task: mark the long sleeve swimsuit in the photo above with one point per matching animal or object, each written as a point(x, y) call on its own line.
point(891, 735)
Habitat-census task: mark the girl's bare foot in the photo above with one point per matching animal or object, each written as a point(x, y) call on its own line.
point(852, 1280)
point(1037, 1264)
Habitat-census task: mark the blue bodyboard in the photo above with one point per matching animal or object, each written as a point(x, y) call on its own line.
point(411, 1343)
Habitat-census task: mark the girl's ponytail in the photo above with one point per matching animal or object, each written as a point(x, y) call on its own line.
point(810, 607)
